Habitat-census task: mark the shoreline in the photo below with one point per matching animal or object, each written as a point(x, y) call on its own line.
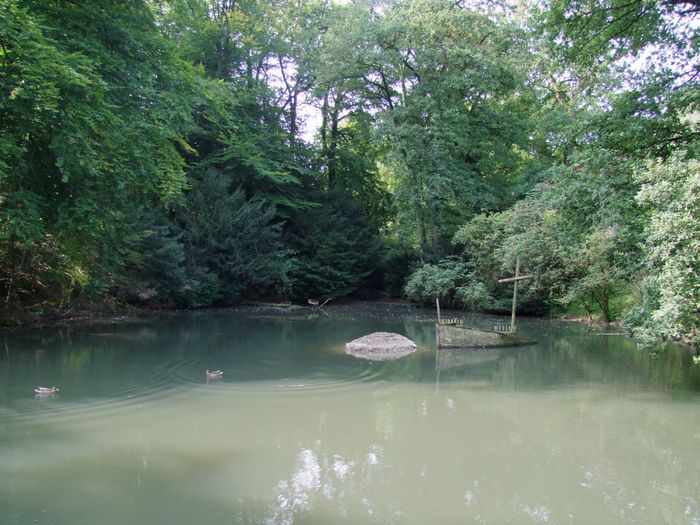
point(17, 318)
point(24, 320)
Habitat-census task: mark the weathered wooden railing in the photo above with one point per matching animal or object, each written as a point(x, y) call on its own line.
point(504, 328)
point(454, 321)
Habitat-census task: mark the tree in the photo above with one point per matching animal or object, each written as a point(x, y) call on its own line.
point(452, 281)
point(232, 244)
point(671, 305)
point(593, 29)
point(453, 126)
point(94, 113)
point(336, 249)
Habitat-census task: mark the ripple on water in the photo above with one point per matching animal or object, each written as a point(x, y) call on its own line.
point(66, 407)
point(272, 373)
point(180, 376)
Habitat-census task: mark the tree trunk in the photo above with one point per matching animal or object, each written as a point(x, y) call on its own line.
point(332, 150)
point(420, 230)
point(324, 126)
point(293, 118)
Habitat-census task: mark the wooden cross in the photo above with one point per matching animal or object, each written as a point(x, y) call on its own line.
point(515, 281)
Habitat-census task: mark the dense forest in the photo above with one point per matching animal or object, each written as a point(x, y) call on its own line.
point(191, 153)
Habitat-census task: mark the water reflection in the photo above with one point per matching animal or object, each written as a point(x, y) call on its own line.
point(577, 429)
point(293, 495)
point(447, 358)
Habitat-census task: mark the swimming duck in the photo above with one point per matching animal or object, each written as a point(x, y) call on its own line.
point(214, 374)
point(44, 391)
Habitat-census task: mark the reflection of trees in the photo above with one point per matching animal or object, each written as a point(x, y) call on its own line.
point(459, 357)
point(589, 418)
point(493, 455)
point(108, 355)
point(611, 362)
point(349, 471)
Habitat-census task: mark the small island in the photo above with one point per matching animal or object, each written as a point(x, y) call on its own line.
point(381, 346)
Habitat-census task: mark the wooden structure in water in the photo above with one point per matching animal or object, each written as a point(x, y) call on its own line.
point(451, 333)
point(515, 280)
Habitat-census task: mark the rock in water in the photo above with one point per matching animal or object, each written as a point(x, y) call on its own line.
point(381, 346)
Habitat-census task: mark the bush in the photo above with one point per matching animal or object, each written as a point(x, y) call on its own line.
point(671, 309)
point(453, 281)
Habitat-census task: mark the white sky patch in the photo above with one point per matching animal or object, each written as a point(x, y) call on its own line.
point(310, 122)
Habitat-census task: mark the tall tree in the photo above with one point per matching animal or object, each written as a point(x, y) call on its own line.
point(453, 123)
point(94, 112)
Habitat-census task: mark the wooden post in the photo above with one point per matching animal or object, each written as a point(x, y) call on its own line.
point(437, 303)
point(515, 280)
point(515, 295)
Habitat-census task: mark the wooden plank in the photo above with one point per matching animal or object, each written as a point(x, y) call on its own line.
point(514, 279)
point(515, 294)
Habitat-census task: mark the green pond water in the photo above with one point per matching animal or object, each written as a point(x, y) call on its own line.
point(578, 428)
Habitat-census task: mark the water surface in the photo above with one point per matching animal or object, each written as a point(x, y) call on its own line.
point(577, 429)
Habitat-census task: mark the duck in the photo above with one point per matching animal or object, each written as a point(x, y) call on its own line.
point(46, 391)
point(214, 374)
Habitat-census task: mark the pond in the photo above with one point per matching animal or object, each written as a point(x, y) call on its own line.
point(577, 429)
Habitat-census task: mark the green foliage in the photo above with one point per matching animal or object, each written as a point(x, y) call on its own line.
point(442, 81)
point(155, 260)
point(150, 151)
point(452, 281)
point(336, 250)
point(357, 170)
point(395, 266)
point(671, 303)
point(529, 231)
point(214, 248)
point(597, 263)
point(455, 127)
point(232, 244)
point(592, 30)
point(92, 116)
point(578, 235)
